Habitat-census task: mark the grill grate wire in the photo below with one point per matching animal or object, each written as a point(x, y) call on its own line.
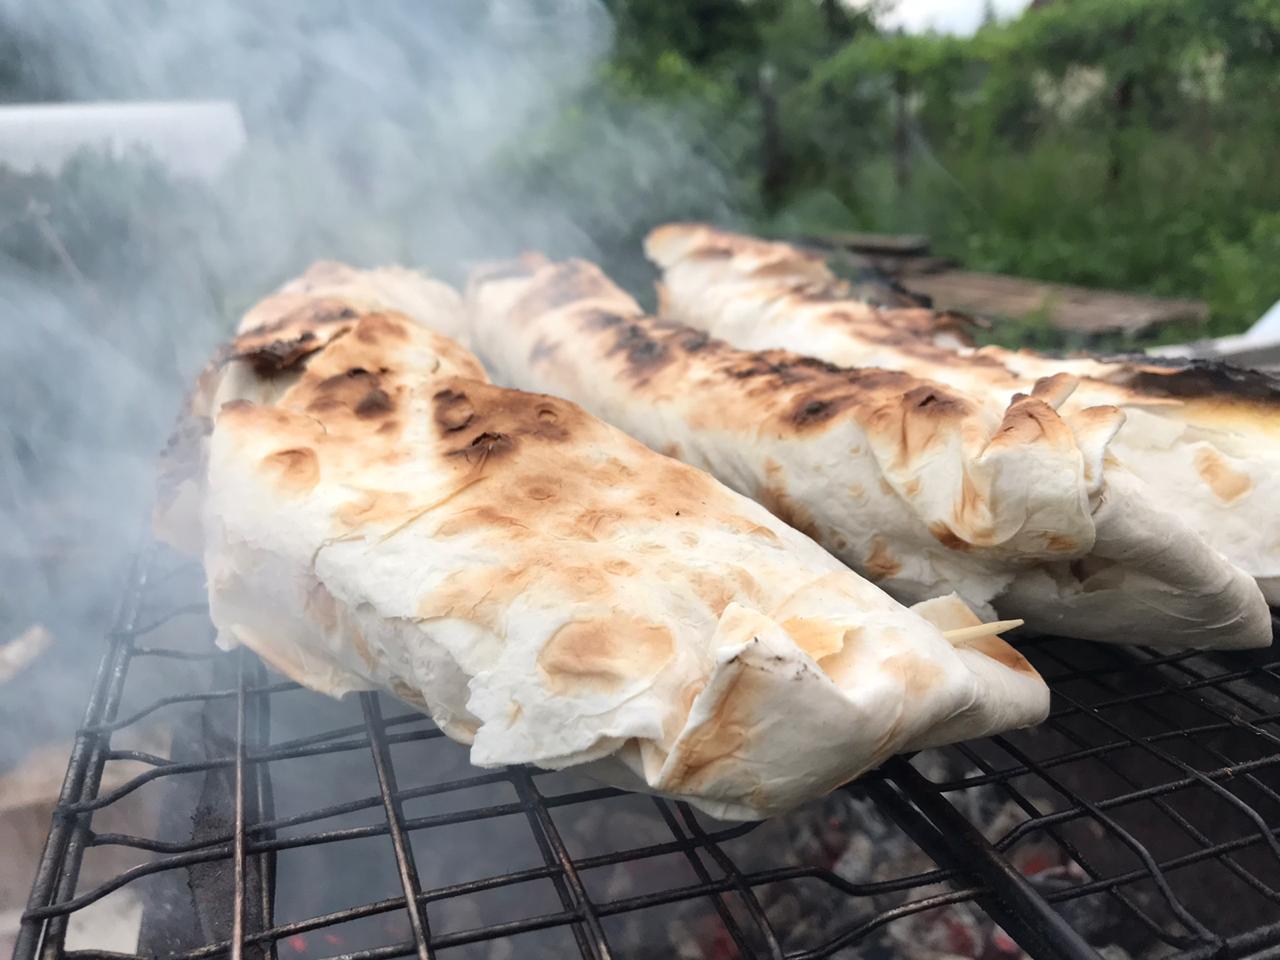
point(1155, 777)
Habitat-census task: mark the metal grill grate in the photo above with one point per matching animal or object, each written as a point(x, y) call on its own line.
point(1142, 817)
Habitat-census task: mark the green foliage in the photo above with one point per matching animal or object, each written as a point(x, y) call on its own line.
point(1240, 276)
point(1129, 144)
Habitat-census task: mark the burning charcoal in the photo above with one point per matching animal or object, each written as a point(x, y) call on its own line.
point(785, 912)
point(1000, 820)
point(1003, 945)
point(1096, 918)
point(961, 930)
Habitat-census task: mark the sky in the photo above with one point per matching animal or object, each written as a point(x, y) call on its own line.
point(948, 16)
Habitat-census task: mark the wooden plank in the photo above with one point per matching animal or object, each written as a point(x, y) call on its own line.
point(900, 267)
point(1067, 307)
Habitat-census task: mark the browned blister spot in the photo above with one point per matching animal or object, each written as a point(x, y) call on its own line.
point(287, 328)
point(236, 408)
point(483, 518)
point(408, 694)
point(972, 509)
point(541, 487)
point(374, 507)
point(485, 447)
point(810, 412)
point(773, 497)
point(481, 422)
point(1201, 380)
point(605, 655)
point(375, 403)
point(642, 353)
point(918, 419)
point(818, 638)
point(999, 651)
point(292, 311)
point(1227, 484)
point(920, 677)
point(1096, 417)
point(276, 356)
point(880, 563)
point(453, 410)
point(948, 537)
point(842, 665)
point(743, 525)
point(356, 391)
point(323, 405)
point(787, 510)
point(480, 594)
point(321, 608)
point(296, 470)
point(1029, 421)
point(585, 582)
point(721, 736)
point(595, 524)
point(1059, 543)
point(362, 648)
point(559, 286)
point(677, 718)
point(716, 592)
point(748, 587)
point(378, 327)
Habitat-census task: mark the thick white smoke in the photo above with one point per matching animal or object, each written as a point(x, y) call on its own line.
point(397, 131)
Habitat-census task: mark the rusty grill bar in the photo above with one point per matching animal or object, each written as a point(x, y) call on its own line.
point(1152, 793)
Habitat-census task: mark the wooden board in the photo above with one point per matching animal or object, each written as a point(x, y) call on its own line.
point(1078, 309)
point(905, 258)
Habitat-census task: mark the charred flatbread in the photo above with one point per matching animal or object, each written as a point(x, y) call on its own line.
point(1203, 437)
point(373, 513)
point(913, 483)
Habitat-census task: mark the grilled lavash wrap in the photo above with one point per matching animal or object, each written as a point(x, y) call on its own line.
point(1203, 436)
point(912, 483)
point(373, 513)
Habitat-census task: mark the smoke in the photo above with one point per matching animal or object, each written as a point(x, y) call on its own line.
point(430, 134)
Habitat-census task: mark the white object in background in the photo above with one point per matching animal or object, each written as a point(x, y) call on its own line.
point(194, 138)
point(111, 924)
point(20, 652)
point(1267, 329)
point(1259, 346)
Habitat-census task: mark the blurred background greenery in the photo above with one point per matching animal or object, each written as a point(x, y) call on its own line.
point(1131, 144)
